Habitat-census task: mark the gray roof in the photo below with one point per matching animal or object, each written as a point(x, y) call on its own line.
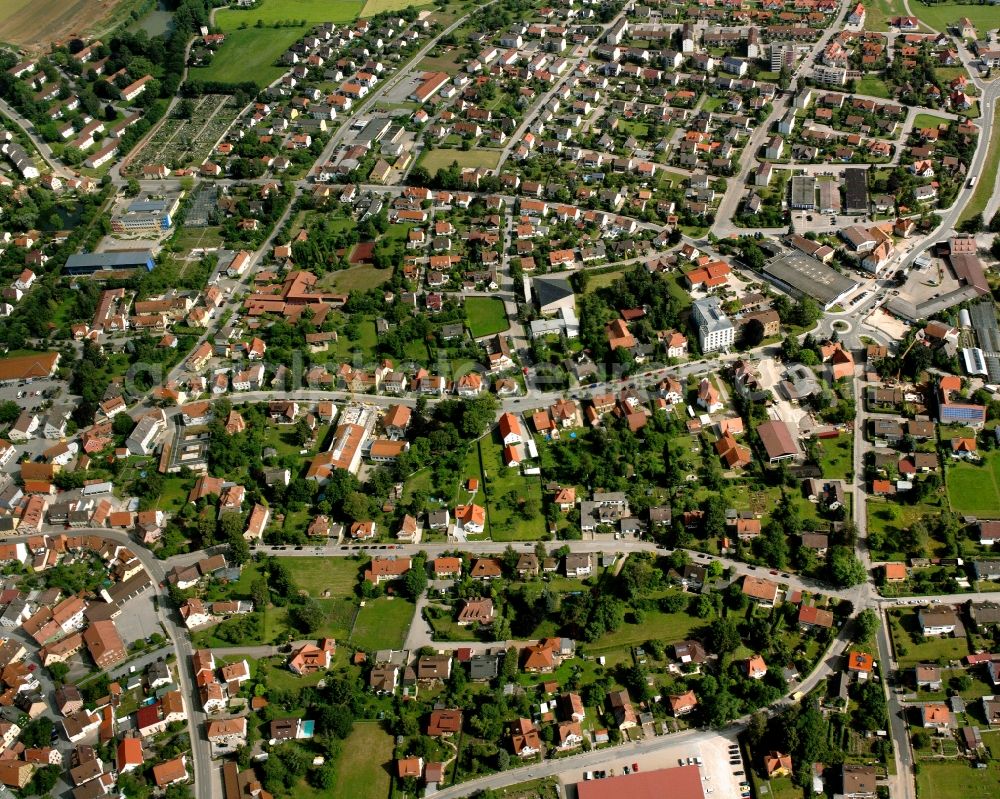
point(484, 667)
point(122, 259)
point(708, 315)
point(803, 190)
point(987, 569)
point(551, 289)
point(808, 276)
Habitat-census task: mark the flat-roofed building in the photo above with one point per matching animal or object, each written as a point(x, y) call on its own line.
point(806, 276)
point(855, 191)
point(829, 197)
point(117, 261)
point(804, 192)
point(715, 330)
point(682, 782)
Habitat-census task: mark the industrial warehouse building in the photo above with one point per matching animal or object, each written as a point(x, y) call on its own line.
point(803, 192)
point(804, 275)
point(118, 261)
point(856, 191)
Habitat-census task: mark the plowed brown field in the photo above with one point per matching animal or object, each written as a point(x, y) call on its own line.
point(33, 24)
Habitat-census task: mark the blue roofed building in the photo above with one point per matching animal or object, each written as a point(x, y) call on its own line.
point(120, 260)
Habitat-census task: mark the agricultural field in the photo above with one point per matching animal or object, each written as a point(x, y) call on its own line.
point(188, 142)
point(33, 23)
point(270, 12)
point(974, 489)
point(486, 316)
point(373, 7)
point(249, 56)
point(442, 158)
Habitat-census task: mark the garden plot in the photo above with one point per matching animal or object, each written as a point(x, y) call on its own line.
point(185, 142)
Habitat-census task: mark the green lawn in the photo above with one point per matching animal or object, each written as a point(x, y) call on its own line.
point(957, 780)
point(382, 624)
point(339, 576)
point(666, 627)
point(357, 278)
point(837, 457)
point(940, 15)
point(638, 129)
point(441, 158)
point(363, 767)
point(873, 86)
point(892, 517)
point(188, 239)
point(506, 489)
point(447, 629)
point(544, 788)
point(366, 340)
point(984, 187)
point(249, 56)
point(174, 494)
point(879, 12)
point(272, 11)
point(932, 650)
point(948, 74)
point(444, 62)
point(283, 439)
point(486, 316)
point(927, 121)
point(595, 282)
point(713, 103)
point(974, 489)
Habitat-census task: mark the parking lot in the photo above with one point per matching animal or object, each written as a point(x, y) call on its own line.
point(138, 619)
point(31, 395)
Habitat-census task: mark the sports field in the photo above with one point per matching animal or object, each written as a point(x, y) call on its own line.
point(974, 489)
point(272, 11)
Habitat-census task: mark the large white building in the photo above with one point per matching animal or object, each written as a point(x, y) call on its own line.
point(715, 330)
